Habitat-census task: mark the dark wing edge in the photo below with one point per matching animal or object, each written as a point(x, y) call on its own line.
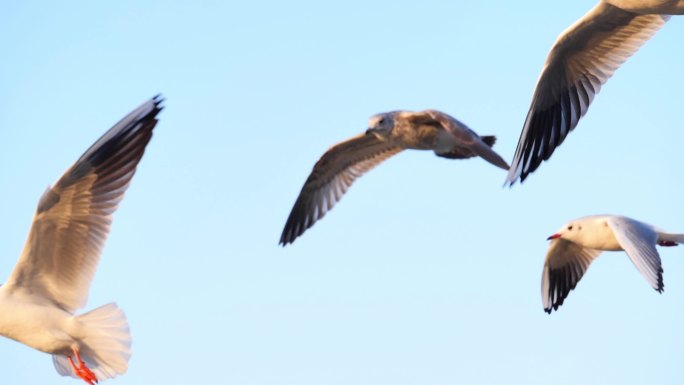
point(330, 178)
point(566, 263)
point(109, 148)
point(568, 83)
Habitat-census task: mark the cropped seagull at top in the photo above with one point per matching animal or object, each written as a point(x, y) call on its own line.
point(53, 274)
point(579, 242)
point(581, 60)
point(388, 133)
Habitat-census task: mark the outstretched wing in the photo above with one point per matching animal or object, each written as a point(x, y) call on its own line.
point(330, 178)
point(73, 217)
point(566, 263)
point(639, 240)
point(583, 58)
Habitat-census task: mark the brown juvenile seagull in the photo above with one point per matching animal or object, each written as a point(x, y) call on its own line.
point(388, 133)
point(51, 279)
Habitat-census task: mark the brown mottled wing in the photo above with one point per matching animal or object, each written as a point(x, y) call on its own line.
point(583, 58)
point(330, 178)
point(566, 263)
point(73, 216)
point(423, 118)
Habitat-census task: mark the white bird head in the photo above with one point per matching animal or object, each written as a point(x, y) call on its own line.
point(571, 231)
point(381, 125)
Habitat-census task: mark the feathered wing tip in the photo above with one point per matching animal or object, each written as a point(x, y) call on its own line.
point(566, 263)
point(107, 347)
point(557, 285)
point(143, 118)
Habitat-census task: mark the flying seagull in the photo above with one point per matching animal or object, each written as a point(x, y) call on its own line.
point(51, 279)
point(581, 60)
point(579, 242)
point(388, 133)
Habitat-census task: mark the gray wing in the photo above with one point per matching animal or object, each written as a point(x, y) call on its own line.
point(330, 178)
point(73, 217)
point(468, 139)
point(566, 263)
point(639, 240)
point(583, 58)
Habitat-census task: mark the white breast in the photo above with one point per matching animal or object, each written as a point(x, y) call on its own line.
point(40, 326)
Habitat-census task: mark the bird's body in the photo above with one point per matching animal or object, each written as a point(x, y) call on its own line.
point(38, 324)
point(597, 234)
point(421, 131)
point(581, 60)
point(388, 134)
point(38, 302)
point(410, 134)
point(582, 240)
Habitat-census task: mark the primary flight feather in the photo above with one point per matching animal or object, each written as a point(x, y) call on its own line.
point(581, 60)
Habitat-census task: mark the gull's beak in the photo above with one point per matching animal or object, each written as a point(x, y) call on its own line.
point(554, 236)
point(369, 131)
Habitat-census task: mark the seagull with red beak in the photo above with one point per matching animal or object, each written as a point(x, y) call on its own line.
point(579, 242)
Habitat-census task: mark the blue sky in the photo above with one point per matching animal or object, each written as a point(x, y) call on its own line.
point(427, 272)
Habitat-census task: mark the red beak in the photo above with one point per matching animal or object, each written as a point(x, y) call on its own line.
point(554, 236)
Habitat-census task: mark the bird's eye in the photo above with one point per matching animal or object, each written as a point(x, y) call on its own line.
point(570, 228)
point(381, 121)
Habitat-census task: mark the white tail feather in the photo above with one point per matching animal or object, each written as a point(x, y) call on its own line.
point(677, 238)
point(106, 347)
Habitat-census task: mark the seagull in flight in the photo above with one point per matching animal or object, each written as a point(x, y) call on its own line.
point(52, 277)
point(388, 134)
point(579, 242)
point(581, 60)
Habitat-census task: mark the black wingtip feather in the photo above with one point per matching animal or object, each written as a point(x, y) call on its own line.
point(296, 223)
point(661, 283)
point(116, 137)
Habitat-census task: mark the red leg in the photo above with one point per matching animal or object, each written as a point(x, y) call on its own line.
point(81, 369)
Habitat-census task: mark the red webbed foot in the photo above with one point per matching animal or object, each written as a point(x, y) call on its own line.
point(81, 370)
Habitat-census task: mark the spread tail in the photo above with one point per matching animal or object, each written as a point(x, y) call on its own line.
point(106, 348)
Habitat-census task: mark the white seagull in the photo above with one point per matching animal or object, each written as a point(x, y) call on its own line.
point(388, 134)
point(579, 242)
point(582, 59)
point(53, 274)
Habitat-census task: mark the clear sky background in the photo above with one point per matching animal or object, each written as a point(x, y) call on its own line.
point(427, 272)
